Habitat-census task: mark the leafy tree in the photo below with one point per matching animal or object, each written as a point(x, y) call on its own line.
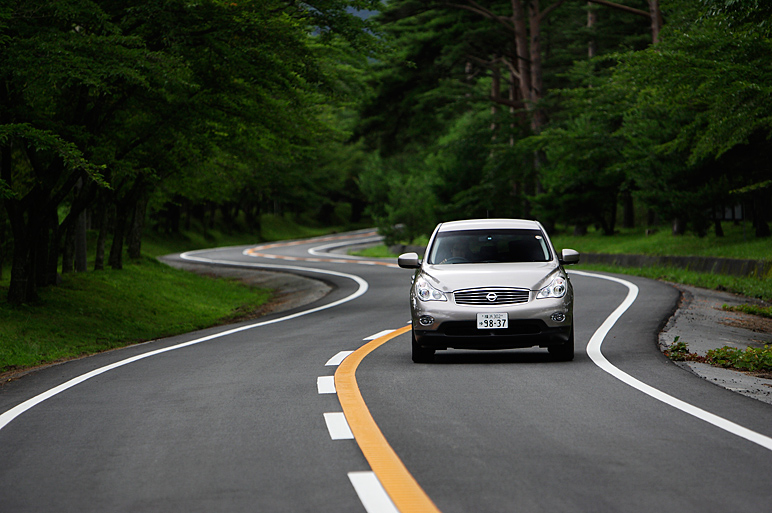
point(104, 104)
point(704, 91)
point(491, 62)
point(62, 66)
point(679, 125)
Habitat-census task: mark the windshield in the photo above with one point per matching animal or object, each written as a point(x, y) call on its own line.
point(478, 246)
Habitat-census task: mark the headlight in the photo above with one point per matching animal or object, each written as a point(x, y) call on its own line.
point(556, 288)
point(426, 292)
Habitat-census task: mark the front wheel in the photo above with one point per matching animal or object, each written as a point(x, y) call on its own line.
point(564, 352)
point(421, 354)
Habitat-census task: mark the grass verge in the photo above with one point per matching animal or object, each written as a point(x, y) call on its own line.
point(750, 287)
point(738, 242)
point(96, 311)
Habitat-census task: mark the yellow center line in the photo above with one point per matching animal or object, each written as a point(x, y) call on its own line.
point(257, 251)
point(403, 489)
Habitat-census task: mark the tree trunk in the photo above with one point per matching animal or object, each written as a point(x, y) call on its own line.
point(99, 257)
point(81, 243)
point(21, 289)
point(679, 226)
point(656, 20)
point(539, 118)
point(126, 206)
point(137, 227)
point(46, 244)
point(592, 19)
point(68, 254)
point(628, 210)
point(719, 230)
point(608, 219)
point(115, 260)
point(760, 205)
point(495, 93)
point(521, 49)
point(20, 273)
point(3, 239)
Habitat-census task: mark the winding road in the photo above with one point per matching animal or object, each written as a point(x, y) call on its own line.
point(320, 408)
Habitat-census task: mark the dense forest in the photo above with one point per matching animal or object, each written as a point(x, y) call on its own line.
point(121, 117)
point(124, 116)
point(576, 113)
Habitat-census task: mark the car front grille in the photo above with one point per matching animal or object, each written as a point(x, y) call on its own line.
point(491, 296)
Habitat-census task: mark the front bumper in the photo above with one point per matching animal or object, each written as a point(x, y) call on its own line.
point(465, 335)
point(530, 324)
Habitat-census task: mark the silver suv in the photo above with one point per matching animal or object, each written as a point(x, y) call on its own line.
point(491, 284)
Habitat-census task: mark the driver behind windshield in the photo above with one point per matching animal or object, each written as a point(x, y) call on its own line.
point(458, 252)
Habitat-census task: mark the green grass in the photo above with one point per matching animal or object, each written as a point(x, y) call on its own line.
point(760, 311)
point(751, 287)
point(750, 359)
point(738, 242)
point(379, 251)
point(97, 311)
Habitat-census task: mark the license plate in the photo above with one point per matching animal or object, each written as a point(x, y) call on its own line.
point(487, 321)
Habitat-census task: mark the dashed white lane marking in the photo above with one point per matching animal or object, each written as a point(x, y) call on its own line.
point(338, 426)
point(366, 484)
point(374, 498)
point(594, 351)
point(337, 359)
point(325, 384)
point(378, 335)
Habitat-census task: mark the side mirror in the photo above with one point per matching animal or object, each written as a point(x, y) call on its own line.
point(409, 261)
point(569, 256)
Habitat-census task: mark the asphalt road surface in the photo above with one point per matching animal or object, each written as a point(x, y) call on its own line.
point(263, 416)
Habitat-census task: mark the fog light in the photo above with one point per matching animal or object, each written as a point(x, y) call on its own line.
point(426, 320)
point(558, 317)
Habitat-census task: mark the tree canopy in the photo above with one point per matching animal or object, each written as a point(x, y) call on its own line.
point(107, 107)
point(657, 110)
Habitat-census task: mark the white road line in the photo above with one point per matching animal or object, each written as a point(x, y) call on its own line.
point(370, 490)
point(325, 384)
point(338, 426)
point(378, 335)
point(594, 351)
point(17, 410)
point(337, 359)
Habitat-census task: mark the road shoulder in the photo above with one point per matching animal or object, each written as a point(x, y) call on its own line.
point(702, 323)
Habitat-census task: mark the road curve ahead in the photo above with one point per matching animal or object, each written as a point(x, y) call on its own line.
point(320, 408)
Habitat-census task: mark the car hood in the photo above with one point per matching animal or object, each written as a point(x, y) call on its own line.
point(448, 278)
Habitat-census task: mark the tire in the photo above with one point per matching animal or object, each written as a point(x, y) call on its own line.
point(421, 354)
point(563, 352)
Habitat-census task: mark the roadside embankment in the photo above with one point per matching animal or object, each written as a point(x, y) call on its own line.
point(728, 266)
